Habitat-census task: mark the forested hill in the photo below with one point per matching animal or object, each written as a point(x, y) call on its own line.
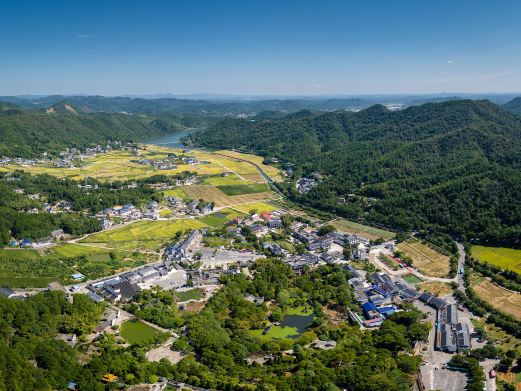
point(454, 165)
point(514, 106)
point(25, 133)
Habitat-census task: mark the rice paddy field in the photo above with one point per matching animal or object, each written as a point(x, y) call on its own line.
point(143, 235)
point(427, 260)
point(362, 230)
point(505, 258)
point(499, 297)
point(258, 207)
point(214, 194)
point(122, 165)
point(134, 331)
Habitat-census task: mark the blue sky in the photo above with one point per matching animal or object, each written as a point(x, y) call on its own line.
point(305, 47)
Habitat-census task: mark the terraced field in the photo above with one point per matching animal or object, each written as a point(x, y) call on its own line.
point(425, 259)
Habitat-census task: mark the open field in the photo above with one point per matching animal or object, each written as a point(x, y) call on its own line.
point(193, 294)
point(362, 230)
point(505, 258)
point(271, 171)
point(213, 194)
point(119, 165)
point(412, 279)
point(218, 219)
point(497, 336)
point(436, 288)
point(219, 180)
point(259, 207)
point(504, 300)
point(33, 269)
point(177, 192)
point(425, 259)
point(148, 235)
point(232, 190)
point(134, 331)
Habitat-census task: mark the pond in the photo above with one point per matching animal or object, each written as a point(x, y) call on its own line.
point(298, 322)
point(172, 140)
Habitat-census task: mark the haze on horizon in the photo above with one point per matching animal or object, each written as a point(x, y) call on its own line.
point(330, 47)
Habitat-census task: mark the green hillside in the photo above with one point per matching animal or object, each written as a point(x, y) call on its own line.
point(454, 166)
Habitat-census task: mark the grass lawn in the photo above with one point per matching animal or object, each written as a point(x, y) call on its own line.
point(506, 258)
point(362, 230)
point(149, 235)
point(504, 340)
point(412, 279)
point(192, 294)
point(134, 331)
point(424, 258)
point(232, 190)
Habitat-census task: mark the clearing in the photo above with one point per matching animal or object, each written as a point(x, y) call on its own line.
point(220, 218)
point(362, 230)
point(436, 288)
point(424, 258)
point(258, 207)
point(135, 331)
point(505, 258)
point(192, 294)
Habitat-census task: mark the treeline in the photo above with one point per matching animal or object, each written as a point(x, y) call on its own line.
point(481, 308)
point(505, 278)
point(454, 167)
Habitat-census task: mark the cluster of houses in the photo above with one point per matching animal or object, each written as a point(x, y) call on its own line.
point(27, 243)
point(305, 185)
point(451, 335)
point(179, 252)
point(378, 298)
point(172, 161)
point(125, 286)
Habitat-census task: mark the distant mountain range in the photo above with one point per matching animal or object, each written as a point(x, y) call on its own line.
point(221, 105)
point(454, 166)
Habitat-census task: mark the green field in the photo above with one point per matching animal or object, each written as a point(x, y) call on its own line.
point(258, 207)
point(218, 219)
point(192, 294)
point(134, 331)
point(505, 258)
point(412, 279)
point(362, 230)
point(147, 235)
point(232, 190)
point(32, 269)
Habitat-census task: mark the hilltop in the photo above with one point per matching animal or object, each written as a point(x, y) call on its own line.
point(514, 106)
point(453, 166)
point(28, 133)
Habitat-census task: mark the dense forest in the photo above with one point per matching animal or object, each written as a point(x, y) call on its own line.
point(514, 106)
point(453, 166)
point(29, 133)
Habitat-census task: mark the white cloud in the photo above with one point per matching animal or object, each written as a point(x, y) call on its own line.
point(450, 62)
point(85, 36)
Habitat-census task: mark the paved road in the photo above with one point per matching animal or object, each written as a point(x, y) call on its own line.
point(461, 265)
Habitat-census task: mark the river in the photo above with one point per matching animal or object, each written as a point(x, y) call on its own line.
point(172, 140)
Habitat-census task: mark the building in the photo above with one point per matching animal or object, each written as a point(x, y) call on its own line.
point(447, 342)
point(370, 310)
point(432, 301)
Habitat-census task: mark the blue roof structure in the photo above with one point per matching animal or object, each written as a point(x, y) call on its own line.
point(369, 307)
point(77, 276)
point(387, 311)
